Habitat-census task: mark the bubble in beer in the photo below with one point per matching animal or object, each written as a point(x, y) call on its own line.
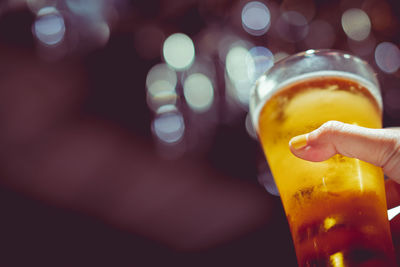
point(199, 92)
point(356, 24)
point(49, 27)
point(256, 18)
point(169, 127)
point(178, 51)
point(387, 57)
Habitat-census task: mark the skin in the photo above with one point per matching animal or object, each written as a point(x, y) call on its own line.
point(380, 147)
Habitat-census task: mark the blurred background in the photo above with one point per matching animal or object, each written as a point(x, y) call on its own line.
point(125, 138)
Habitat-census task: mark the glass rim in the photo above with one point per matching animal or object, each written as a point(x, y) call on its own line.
point(371, 84)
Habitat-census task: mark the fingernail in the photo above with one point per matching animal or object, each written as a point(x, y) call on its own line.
point(298, 142)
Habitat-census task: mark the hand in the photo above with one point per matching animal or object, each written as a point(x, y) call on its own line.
point(380, 147)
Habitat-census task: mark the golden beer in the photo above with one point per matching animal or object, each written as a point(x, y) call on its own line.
point(336, 208)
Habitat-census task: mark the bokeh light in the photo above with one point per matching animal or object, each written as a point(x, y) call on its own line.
point(356, 24)
point(161, 72)
point(161, 93)
point(256, 18)
point(36, 5)
point(292, 26)
point(88, 8)
point(198, 92)
point(178, 51)
point(387, 57)
point(239, 64)
point(49, 27)
point(161, 86)
point(169, 127)
point(263, 60)
point(305, 7)
point(100, 31)
point(240, 69)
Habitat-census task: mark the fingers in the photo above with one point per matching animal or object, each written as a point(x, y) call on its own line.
point(380, 147)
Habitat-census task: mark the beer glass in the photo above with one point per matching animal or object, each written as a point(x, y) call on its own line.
point(336, 209)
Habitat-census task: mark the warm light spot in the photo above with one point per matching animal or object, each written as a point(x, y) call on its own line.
point(337, 260)
point(356, 24)
point(169, 127)
point(387, 57)
point(256, 18)
point(329, 223)
point(198, 92)
point(178, 51)
point(49, 27)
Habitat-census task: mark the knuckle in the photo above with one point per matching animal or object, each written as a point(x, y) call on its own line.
point(329, 128)
point(391, 154)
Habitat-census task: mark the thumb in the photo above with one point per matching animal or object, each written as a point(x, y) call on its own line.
point(380, 147)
